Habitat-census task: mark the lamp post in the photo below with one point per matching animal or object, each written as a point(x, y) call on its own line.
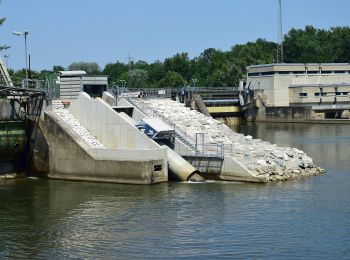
point(194, 82)
point(25, 33)
point(6, 56)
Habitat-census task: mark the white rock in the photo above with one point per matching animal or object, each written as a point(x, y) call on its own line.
point(261, 162)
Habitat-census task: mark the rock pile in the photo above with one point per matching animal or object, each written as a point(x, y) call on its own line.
point(262, 158)
point(75, 125)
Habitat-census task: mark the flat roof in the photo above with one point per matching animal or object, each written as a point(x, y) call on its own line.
point(297, 64)
point(319, 85)
point(72, 73)
point(157, 124)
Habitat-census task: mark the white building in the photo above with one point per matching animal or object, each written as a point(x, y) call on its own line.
point(296, 84)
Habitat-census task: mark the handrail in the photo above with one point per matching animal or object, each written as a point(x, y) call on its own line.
point(181, 134)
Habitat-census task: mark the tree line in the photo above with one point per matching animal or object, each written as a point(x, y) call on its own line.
point(217, 68)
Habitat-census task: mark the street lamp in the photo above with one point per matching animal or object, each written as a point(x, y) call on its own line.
point(6, 56)
point(123, 83)
point(25, 33)
point(194, 82)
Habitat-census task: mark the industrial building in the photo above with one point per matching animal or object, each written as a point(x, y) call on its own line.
point(309, 84)
point(73, 82)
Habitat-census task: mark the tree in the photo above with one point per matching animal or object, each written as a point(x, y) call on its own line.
point(3, 47)
point(88, 67)
point(179, 63)
point(57, 68)
point(340, 41)
point(141, 65)
point(172, 79)
point(137, 78)
point(114, 71)
point(156, 72)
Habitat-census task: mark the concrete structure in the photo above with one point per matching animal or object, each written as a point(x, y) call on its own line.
point(126, 155)
point(301, 84)
point(73, 82)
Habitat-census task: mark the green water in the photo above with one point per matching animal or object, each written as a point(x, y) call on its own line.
point(302, 219)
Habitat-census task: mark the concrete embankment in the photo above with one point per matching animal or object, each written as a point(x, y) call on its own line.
point(246, 159)
point(90, 141)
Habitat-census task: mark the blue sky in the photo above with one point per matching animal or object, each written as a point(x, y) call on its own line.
point(64, 31)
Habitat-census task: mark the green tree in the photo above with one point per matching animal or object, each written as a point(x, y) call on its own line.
point(172, 79)
point(179, 63)
point(88, 67)
point(137, 78)
point(114, 71)
point(141, 65)
point(340, 41)
point(156, 72)
point(3, 47)
point(57, 68)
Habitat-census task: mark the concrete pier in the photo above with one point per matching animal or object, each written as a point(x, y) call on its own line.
point(92, 142)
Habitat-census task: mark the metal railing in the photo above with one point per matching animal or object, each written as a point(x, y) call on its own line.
point(331, 106)
point(203, 149)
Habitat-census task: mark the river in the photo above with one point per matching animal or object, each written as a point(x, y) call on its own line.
point(308, 218)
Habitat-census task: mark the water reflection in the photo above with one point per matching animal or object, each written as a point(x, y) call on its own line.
point(309, 217)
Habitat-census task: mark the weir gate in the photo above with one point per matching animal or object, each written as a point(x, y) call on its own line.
point(20, 110)
point(215, 102)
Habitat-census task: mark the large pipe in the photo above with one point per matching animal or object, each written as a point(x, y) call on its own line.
point(180, 169)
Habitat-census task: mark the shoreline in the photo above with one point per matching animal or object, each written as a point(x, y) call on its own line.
point(304, 121)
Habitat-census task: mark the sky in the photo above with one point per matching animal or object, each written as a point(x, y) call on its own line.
point(105, 31)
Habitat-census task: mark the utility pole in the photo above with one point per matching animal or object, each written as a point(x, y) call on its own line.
point(129, 58)
point(280, 57)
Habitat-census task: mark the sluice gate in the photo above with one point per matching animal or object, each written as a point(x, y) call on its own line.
point(19, 114)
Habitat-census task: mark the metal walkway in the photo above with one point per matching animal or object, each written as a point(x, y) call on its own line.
point(196, 149)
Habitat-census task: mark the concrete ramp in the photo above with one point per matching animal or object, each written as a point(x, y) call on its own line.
point(200, 104)
point(120, 152)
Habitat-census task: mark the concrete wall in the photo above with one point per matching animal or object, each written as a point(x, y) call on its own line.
point(232, 170)
point(111, 129)
point(71, 158)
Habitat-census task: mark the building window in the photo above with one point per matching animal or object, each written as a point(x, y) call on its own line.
point(327, 72)
point(318, 94)
point(283, 72)
point(268, 73)
point(341, 93)
point(253, 74)
point(303, 94)
point(312, 72)
point(340, 71)
point(298, 72)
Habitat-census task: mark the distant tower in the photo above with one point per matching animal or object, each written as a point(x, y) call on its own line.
point(280, 57)
point(129, 59)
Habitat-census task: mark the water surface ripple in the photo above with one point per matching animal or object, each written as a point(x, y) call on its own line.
point(308, 219)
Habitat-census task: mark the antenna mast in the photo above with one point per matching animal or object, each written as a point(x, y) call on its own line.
point(280, 57)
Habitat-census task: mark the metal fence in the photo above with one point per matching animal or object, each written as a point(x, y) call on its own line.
point(331, 107)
